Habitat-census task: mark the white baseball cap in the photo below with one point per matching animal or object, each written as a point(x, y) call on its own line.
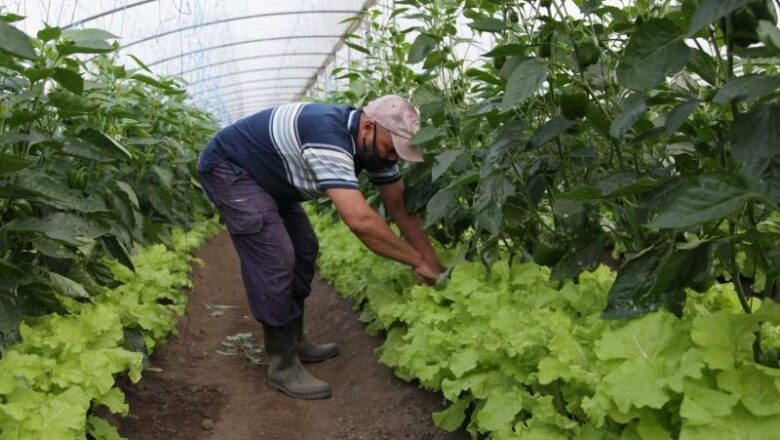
point(401, 119)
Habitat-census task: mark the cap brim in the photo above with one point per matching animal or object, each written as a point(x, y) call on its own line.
point(405, 149)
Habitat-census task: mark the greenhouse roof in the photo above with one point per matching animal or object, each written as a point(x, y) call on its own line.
point(234, 56)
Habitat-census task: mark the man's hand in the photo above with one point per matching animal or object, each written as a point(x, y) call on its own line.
point(392, 196)
point(427, 274)
point(434, 263)
point(371, 229)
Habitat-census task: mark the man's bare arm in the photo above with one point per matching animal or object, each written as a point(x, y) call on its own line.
point(393, 198)
point(373, 231)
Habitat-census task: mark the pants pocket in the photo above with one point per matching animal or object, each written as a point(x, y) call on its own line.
point(242, 222)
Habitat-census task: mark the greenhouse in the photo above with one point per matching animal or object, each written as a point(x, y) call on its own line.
point(376, 219)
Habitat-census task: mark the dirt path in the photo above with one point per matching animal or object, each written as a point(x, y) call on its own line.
point(198, 394)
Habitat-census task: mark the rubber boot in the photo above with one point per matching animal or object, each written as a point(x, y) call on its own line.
point(285, 372)
point(309, 351)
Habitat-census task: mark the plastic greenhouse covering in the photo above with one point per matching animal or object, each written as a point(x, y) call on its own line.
point(234, 56)
point(589, 249)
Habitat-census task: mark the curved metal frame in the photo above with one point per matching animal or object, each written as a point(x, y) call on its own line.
point(342, 41)
point(247, 108)
point(252, 81)
point(243, 17)
point(238, 92)
point(257, 101)
point(251, 90)
point(305, 89)
point(260, 101)
point(239, 112)
point(281, 95)
point(103, 14)
point(262, 69)
point(238, 43)
point(254, 57)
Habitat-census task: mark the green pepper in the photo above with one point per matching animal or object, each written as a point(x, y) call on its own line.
point(547, 252)
point(101, 273)
point(744, 24)
point(764, 10)
point(513, 17)
point(574, 102)
point(702, 282)
point(545, 48)
point(77, 179)
point(498, 62)
point(20, 208)
point(771, 358)
point(588, 53)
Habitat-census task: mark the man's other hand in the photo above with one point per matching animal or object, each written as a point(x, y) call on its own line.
point(426, 274)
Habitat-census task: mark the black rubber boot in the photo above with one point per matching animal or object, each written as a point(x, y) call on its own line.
point(309, 351)
point(285, 372)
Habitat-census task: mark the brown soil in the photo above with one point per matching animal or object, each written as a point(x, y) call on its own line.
point(194, 393)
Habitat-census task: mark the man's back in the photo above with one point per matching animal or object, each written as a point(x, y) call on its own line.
point(294, 151)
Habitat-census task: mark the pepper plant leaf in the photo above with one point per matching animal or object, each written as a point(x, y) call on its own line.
point(524, 81)
point(707, 197)
point(16, 42)
point(711, 10)
point(655, 51)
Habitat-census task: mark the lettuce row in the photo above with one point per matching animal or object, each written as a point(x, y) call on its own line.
point(66, 364)
point(520, 357)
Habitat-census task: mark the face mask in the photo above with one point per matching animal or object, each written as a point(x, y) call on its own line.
point(369, 157)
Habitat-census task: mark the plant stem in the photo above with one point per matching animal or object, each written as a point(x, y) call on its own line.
point(698, 44)
point(753, 226)
point(758, 354)
point(737, 281)
point(714, 43)
point(563, 161)
point(729, 47)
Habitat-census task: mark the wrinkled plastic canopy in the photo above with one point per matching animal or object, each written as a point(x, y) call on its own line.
point(235, 55)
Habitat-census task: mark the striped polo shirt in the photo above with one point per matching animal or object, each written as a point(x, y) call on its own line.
point(295, 151)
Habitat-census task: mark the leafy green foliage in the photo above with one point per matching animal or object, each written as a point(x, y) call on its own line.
point(16, 42)
point(519, 356)
point(94, 159)
point(66, 364)
point(243, 345)
point(655, 51)
point(610, 131)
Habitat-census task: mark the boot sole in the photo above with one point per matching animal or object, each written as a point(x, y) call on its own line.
point(312, 396)
point(313, 360)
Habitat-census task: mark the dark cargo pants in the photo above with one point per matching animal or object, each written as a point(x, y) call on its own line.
point(275, 243)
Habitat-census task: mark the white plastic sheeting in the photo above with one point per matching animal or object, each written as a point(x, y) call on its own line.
point(235, 55)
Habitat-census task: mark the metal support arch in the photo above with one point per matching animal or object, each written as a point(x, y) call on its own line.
point(255, 103)
point(262, 69)
point(251, 81)
point(238, 43)
point(246, 108)
point(260, 103)
point(342, 40)
point(254, 57)
point(252, 100)
point(238, 92)
point(243, 17)
point(103, 14)
point(279, 95)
